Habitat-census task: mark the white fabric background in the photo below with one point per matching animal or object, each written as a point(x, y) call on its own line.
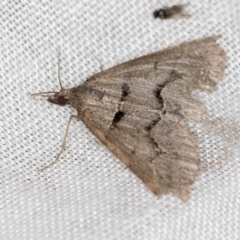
point(89, 194)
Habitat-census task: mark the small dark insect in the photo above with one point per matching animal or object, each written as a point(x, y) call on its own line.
point(174, 12)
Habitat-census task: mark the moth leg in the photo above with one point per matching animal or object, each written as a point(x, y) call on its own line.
point(100, 63)
point(63, 145)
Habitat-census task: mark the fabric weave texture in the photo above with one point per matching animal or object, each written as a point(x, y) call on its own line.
point(89, 194)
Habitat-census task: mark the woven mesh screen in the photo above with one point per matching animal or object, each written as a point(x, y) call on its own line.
point(89, 194)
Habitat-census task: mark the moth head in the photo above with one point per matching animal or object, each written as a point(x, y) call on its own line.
point(59, 98)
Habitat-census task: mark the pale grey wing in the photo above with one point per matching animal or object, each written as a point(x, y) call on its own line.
point(143, 108)
point(163, 154)
point(193, 65)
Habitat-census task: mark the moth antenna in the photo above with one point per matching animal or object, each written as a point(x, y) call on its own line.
point(42, 93)
point(63, 145)
point(59, 79)
point(59, 67)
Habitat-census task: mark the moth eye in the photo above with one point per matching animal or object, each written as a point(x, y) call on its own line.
point(62, 100)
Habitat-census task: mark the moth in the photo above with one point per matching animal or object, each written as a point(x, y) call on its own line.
point(140, 111)
point(174, 12)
